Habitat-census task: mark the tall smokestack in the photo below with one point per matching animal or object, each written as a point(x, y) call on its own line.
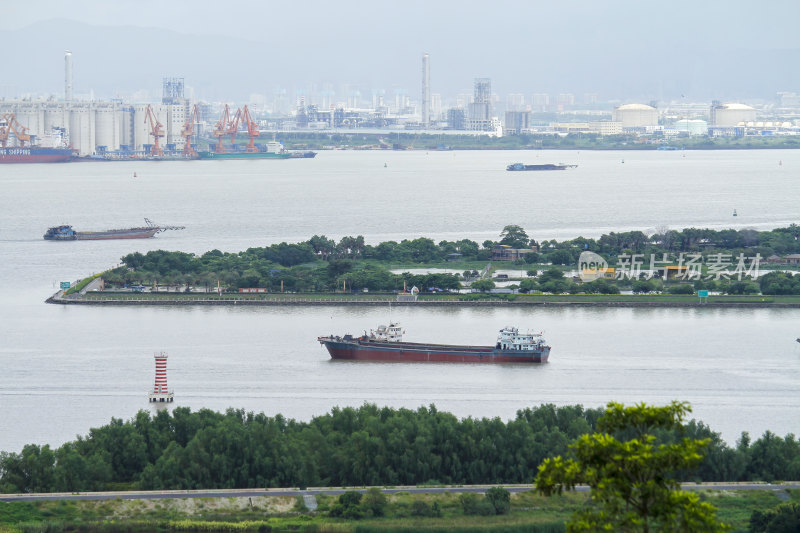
point(68, 76)
point(426, 91)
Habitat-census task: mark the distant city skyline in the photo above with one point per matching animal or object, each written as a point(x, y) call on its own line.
point(616, 50)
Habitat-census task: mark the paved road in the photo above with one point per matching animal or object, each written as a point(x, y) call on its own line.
point(250, 493)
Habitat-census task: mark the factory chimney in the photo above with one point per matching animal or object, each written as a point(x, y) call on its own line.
point(426, 91)
point(68, 76)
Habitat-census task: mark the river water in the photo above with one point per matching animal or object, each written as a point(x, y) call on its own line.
point(65, 369)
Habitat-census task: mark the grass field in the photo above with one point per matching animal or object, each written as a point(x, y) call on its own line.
point(529, 512)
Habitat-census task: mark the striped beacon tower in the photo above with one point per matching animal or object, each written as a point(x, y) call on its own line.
point(160, 392)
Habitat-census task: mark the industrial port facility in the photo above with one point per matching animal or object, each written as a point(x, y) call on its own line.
point(56, 129)
point(119, 130)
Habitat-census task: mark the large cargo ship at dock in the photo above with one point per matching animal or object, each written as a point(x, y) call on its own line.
point(67, 233)
point(17, 146)
point(34, 154)
point(386, 344)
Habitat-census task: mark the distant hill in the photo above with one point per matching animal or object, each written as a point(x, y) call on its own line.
point(120, 60)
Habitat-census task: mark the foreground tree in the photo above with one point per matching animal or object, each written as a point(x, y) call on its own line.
point(631, 476)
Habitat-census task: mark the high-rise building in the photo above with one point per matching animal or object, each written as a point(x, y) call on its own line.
point(456, 119)
point(480, 110)
point(436, 106)
point(426, 91)
point(516, 122)
point(172, 91)
point(516, 102)
point(566, 99)
point(540, 101)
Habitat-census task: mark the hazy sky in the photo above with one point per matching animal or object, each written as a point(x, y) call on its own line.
point(619, 49)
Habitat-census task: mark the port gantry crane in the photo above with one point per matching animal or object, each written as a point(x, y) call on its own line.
point(233, 126)
point(242, 116)
point(12, 124)
point(187, 132)
point(221, 128)
point(156, 130)
point(252, 128)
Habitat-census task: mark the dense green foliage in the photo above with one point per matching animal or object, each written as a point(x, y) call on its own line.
point(779, 283)
point(317, 265)
point(347, 447)
point(664, 240)
point(323, 265)
point(633, 477)
point(783, 519)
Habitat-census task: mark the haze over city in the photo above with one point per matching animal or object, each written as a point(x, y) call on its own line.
point(619, 50)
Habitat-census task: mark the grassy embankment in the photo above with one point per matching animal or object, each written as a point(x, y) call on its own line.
point(529, 512)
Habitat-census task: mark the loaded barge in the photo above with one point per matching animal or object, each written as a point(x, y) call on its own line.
point(547, 166)
point(386, 344)
point(66, 233)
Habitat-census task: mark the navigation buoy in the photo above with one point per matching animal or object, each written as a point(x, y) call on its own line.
point(734, 213)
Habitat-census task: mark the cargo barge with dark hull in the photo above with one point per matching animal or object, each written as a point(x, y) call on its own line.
point(386, 344)
point(67, 233)
point(547, 166)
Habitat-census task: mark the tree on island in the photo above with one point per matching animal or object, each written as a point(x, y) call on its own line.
point(514, 236)
point(483, 285)
point(633, 479)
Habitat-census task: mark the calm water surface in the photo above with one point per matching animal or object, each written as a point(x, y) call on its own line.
point(66, 369)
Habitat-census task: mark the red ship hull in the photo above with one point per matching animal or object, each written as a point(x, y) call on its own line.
point(35, 155)
point(407, 352)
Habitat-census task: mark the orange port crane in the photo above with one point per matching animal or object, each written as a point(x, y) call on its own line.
point(233, 125)
point(252, 128)
point(156, 130)
point(242, 116)
point(12, 124)
point(187, 132)
point(221, 128)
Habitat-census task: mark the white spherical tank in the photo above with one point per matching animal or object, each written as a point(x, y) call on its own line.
point(635, 116)
point(731, 114)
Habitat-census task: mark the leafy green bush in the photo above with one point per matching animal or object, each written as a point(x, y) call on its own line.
point(500, 499)
point(373, 502)
point(683, 288)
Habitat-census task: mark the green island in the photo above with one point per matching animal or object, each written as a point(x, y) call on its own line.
point(364, 450)
point(666, 268)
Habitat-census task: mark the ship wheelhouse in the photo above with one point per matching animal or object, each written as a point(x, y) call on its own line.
point(510, 338)
point(391, 333)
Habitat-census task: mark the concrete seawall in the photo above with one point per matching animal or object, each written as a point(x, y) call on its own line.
point(316, 302)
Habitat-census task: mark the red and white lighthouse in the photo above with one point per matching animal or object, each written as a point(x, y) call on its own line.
point(160, 391)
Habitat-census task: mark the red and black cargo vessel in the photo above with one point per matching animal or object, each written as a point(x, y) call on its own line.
point(386, 344)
